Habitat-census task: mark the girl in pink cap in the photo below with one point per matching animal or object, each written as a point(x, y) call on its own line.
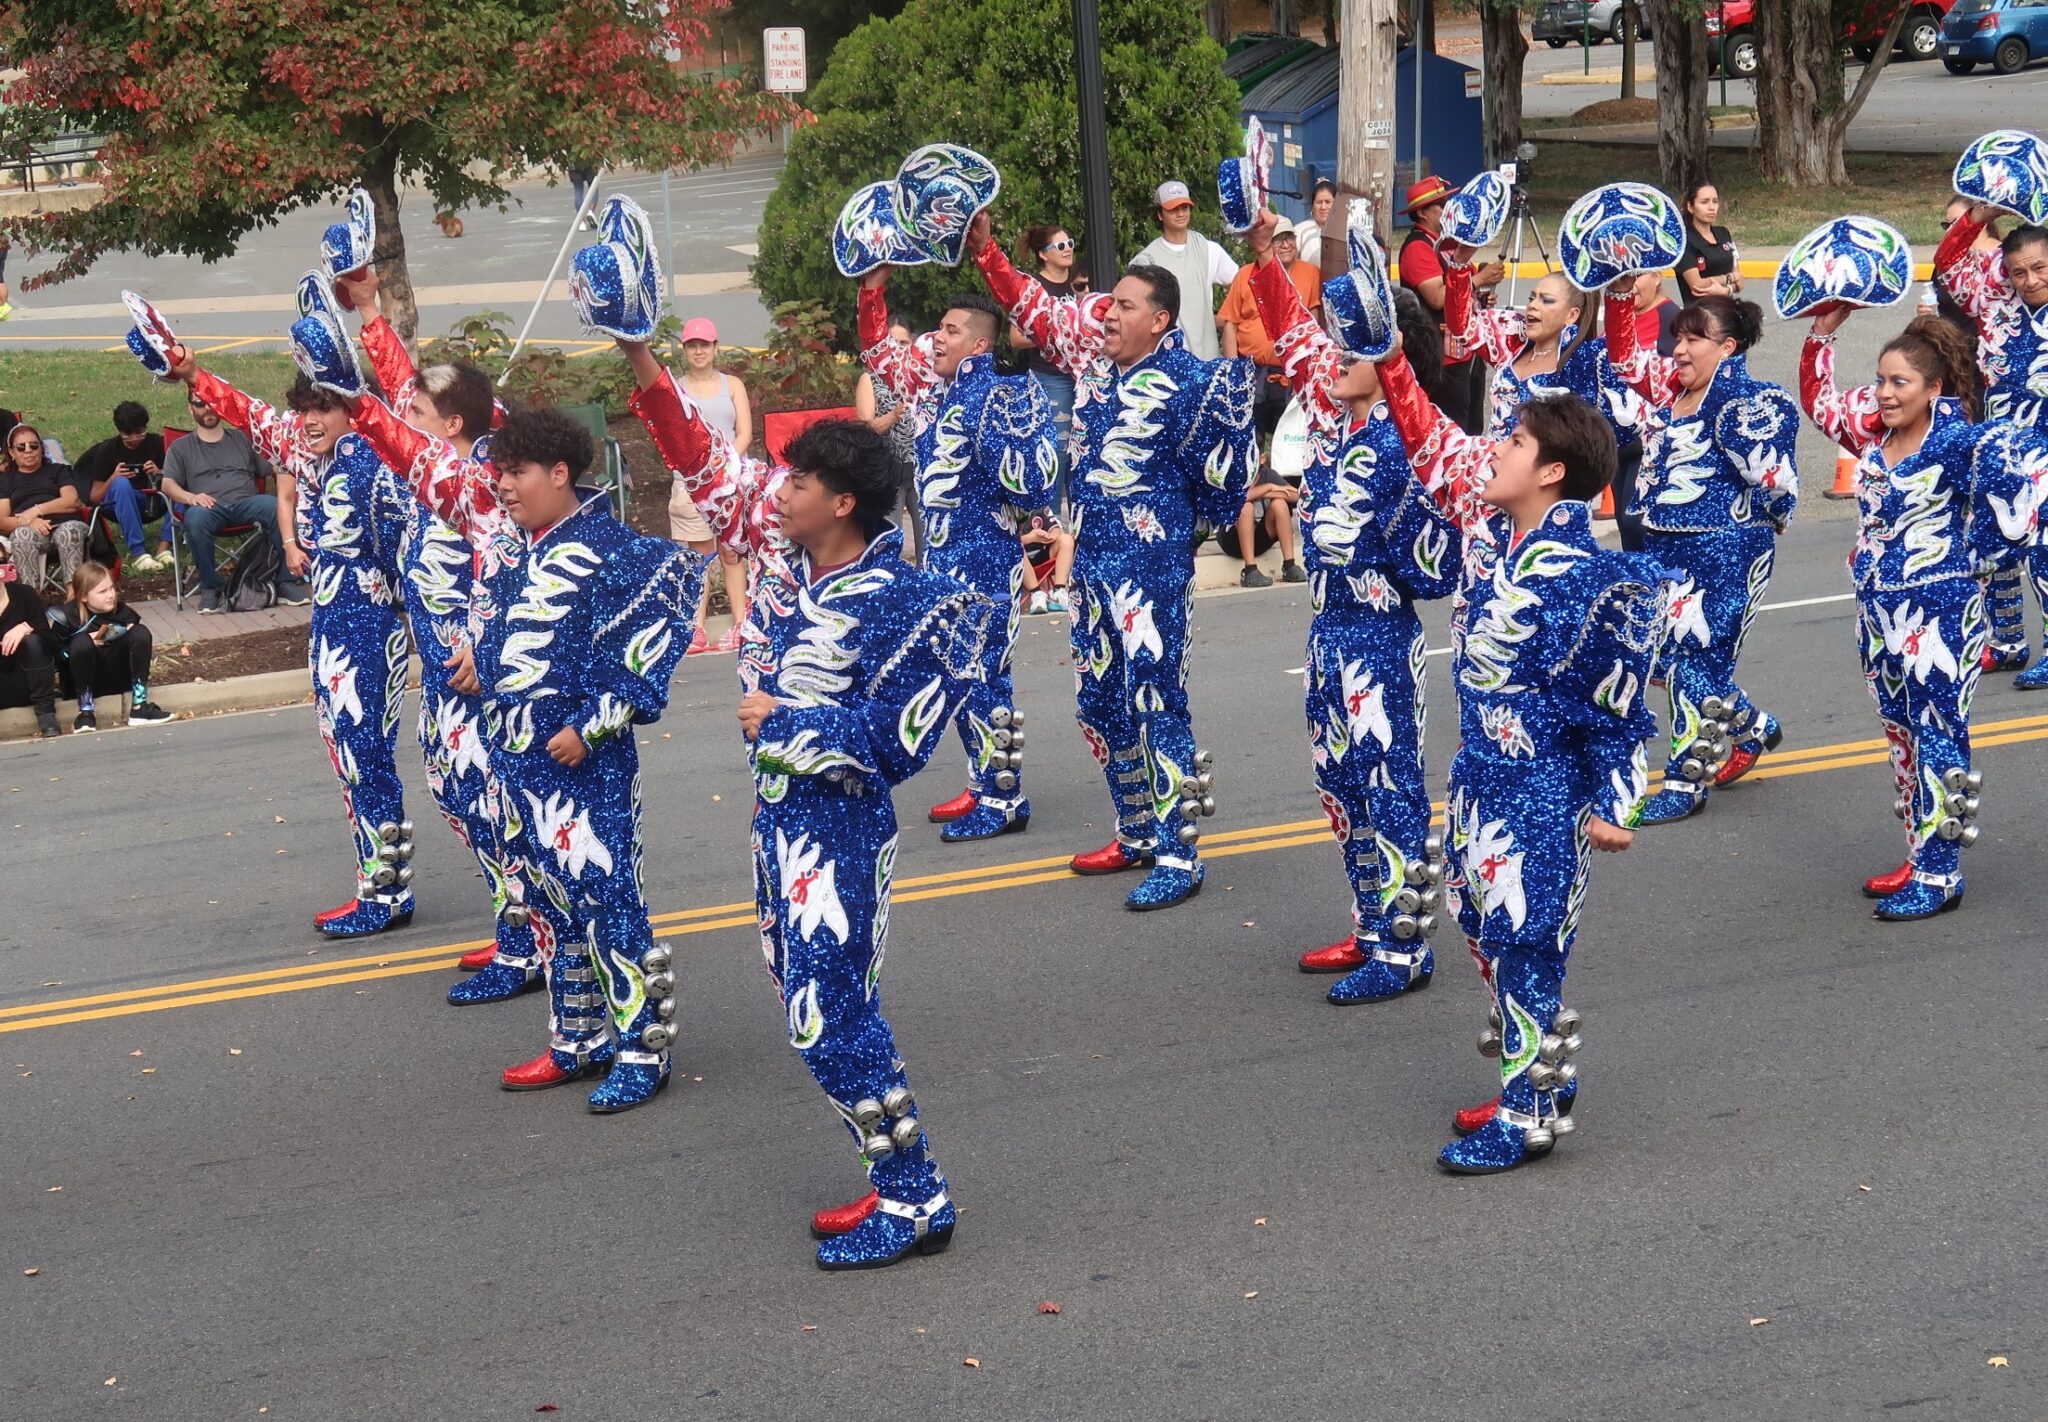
point(722, 401)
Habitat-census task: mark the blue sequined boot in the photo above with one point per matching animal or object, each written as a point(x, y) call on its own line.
point(989, 818)
point(369, 915)
point(1171, 881)
point(635, 1079)
point(1672, 804)
point(1536, 1069)
point(1387, 973)
point(642, 1068)
point(502, 980)
point(2033, 680)
point(896, 1230)
point(1924, 896)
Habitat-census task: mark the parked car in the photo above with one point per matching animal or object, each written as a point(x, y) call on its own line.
point(1920, 39)
point(1563, 22)
point(1734, 23)
point(2006, 34)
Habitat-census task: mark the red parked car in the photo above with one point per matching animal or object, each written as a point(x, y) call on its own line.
point(1920, 39)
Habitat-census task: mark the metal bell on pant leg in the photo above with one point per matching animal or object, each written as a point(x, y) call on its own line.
point(1536, 1039)
point(1411, 903)
point(1183, 795)
point(997, 748)
point(643, 1006)
point(912, 1212)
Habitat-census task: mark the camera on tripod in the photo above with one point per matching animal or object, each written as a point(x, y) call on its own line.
point(1518, 171)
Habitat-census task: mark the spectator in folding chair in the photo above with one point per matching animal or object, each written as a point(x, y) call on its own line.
point(40, 507)
point(118, 478)
point(214, 475)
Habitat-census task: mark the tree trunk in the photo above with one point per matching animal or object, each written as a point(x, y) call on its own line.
point(1281, 18)
point(394, 277)
point(1365, 113)
point(1681, 68)
point(1629, 21)
point(1802, 111)
point(1216, 14)
point(1423, 25)
point(1500, 30)
point(1330, 22)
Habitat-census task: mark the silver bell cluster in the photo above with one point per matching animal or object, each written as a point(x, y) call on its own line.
point(659, 977)
point(1554, 1070)
point(888, 1125)
point(1197, 797)
point(1962, 797)
point(394, 855)
point(1710, 749)
point(1008, 736)
point(1416, 902)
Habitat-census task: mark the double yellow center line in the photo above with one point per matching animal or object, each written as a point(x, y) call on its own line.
point(986, 879)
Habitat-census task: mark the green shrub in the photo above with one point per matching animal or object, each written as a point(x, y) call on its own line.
point(998, 76)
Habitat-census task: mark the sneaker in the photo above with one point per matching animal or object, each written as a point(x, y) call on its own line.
point(46, 724)
point(1056, 601)
point(1252, 578)
point(1038, 603)
point(1290, 572)
point(699, 644)
point(730, 642)
point(148, 714)
point(143, 563)
point(293, 594)
point(209, 601)
point(83, 722)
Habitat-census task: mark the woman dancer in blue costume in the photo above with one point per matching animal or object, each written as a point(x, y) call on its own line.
point(853, 663)
point(1719, 484)
point(1944, 502)
point(1551, 665)
point(1375, 543)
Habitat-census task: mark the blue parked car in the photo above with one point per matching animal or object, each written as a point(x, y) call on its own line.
point(2006, 34)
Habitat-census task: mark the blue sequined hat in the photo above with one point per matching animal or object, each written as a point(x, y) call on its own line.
point(2007, 168)
point(346, 246)
point(1241, 182)
point(869, 236)
point(616, 284)
point(150, 338)
point(1851, 261)
point(939, 190)
point(1358, 306)
point(1475, 214)
point(320, 343)
point(1617, 230)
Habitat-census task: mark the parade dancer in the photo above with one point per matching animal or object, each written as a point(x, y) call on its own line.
point(986, 459)
point(2005, 291)
point(1719, 484)
point(1551, 670)
point(575, 625)
point(852, 663)
point(1374, 543)
point(1943, 502)
point(1163, 444)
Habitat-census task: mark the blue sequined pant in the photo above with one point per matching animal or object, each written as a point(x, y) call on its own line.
point(1922, 652)
point(2008, 598)
point(451, 735)
point(1718, 583)
point(1518, 860)
point(1365, 723)
point(823, 860)
point(994, 761)
point(357, 653)
point(1130, 636)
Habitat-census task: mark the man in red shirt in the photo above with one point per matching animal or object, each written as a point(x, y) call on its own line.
point(1461, 391)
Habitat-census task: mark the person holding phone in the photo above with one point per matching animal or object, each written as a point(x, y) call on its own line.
point(122, 473)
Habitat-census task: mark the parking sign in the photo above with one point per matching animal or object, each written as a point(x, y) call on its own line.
point(782, 59)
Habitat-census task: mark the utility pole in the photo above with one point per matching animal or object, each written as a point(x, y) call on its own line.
point(1367, 37)
point(1100, 248)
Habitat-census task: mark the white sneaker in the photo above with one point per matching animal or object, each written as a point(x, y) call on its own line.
point(1057, 601)
point(1037, 604)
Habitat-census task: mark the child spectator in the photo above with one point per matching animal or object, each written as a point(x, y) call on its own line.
point(27, 676)
point(103, 647)
point(1048, 562)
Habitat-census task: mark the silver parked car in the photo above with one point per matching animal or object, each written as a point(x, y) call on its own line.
point(1563, 22)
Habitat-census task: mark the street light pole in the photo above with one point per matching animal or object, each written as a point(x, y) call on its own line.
point(1095, 202)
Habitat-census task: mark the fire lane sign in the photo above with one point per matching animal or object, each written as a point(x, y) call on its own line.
point(782, 60)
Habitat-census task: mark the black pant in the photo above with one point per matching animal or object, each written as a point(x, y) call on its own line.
point(28, 677)
point(113, 667)
point(1461, 395)
point(1628, 463)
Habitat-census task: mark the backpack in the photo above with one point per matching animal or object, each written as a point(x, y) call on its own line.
point(253, 585)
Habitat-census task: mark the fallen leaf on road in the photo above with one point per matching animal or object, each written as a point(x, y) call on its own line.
point(53, 1189)
point(1260, 1220)
point(547, 1407)
point(284, 851)
point(234, 1051)
point(1997, 1363)
point(970, 1362)
point(110, 1382)
point(1048, 1307)
point(810, 1328)
point(1864, 1188)
point(136, 1053)
point(30, 1273)
point(1253, 1294)
point(1758, 1322)
point(149, 1071)
point(1248, 923)
point(277, 819)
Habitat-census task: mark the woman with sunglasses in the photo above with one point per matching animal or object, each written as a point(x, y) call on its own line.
point(1052, 248)
point(40, 506)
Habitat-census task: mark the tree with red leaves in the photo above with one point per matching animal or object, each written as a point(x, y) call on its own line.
point(221, 115)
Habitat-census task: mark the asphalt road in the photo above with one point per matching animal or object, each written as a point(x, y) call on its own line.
point(1915, 107)
point(316, 1201)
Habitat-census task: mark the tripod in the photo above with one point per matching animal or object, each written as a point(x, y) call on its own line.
point(1525, 226)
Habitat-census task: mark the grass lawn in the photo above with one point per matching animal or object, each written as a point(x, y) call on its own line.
point(1905, 189)
point(70, 395)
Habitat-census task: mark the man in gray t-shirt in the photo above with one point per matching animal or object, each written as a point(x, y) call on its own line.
point(211, 474)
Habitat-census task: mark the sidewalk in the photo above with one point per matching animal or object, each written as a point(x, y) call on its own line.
point(170, 625)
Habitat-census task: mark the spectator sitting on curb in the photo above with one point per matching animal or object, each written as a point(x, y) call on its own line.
point(28, 676)
point(103, 647)
point(122, 473)
point(1269, 501)
point(1048, 562)
point(213, 474)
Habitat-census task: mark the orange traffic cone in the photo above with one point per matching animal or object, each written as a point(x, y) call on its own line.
point(1606, 509)
point(1845, 476)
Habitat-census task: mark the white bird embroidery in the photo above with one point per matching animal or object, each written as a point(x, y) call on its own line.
point(808, 886)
